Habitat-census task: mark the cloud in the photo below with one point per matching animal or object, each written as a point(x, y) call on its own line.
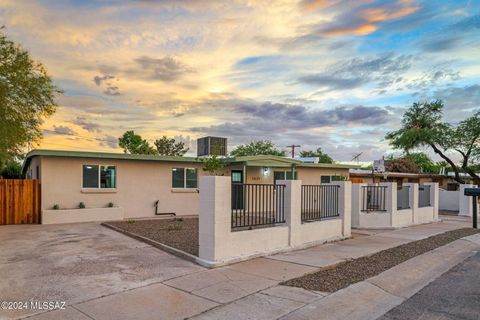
point(110, 142)
point(364, 18)
point(63, 130)
point(164, 69)
point(277, 118)
point(382, 70)
point(112, 91)
point(99, 79)
point(87, 125)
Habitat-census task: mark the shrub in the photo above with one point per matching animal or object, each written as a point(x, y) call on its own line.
point(81, 205)
point(56, 207)
point(110, 205)
point(130, 221)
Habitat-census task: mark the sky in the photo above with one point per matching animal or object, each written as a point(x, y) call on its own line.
point(317, 73)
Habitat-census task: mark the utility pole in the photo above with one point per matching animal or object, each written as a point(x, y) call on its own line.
point(293, 146)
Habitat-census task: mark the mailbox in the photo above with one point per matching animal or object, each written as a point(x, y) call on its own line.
point(472, 192)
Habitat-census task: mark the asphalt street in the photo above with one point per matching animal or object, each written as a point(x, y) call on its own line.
point(454, 295)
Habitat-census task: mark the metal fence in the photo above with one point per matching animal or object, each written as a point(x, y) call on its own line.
point(373, 198)
point(424, 196)
point(403, 197)
point(257, 205)
point(319, 202)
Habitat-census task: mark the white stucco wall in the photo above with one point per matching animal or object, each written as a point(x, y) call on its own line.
point(139, 185)
point(392, 217)
point(220, 245)
point(82, 215)
point(449, 200)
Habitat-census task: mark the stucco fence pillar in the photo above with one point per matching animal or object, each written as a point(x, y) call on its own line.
point(356, 203)
point(345, 206)
point(412, 200)
point(465, 203)
point(434, 198)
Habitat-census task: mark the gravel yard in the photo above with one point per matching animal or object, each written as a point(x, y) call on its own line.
point(179, 233)
point(346, 273)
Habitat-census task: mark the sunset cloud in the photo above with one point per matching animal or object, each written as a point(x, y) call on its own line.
point(330, 73)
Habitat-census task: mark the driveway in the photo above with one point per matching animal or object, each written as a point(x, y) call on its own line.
point(76, 263)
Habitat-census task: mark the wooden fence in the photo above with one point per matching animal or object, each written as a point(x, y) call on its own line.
point(19, 201)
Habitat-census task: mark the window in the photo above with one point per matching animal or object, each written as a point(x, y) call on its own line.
point(325, 179)
point(95, 176)
point(184, 178)
point(284, 175)
point(328, 179)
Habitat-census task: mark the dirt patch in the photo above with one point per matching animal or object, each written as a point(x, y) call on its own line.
point(179, 233)
point(342, 275)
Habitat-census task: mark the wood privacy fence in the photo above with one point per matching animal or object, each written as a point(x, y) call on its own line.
point(19, 201)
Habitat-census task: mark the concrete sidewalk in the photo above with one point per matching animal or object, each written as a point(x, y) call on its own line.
point(250, 290)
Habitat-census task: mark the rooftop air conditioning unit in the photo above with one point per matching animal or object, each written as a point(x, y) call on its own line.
point(208, 146)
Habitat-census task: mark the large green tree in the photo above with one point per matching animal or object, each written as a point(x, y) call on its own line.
point(134, 144)
point(27, 96)
point(169, 147)
point(257, 147)
point(423, 162)
point(323, 157)
point(423, 126)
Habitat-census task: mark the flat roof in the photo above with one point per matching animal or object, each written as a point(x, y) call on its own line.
point(256, 161)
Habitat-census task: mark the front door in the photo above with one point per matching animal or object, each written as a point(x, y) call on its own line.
point(237, 189)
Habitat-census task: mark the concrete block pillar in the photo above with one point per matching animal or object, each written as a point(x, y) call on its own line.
point(465, 203)
point(434, 198)
point(293, 203)
point(412, 198)
point(390, 199)
point(345, 206)
point(356, 204)
point(214, 217)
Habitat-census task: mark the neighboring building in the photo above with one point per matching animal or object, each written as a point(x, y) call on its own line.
point(366, 176)
point(133, 183)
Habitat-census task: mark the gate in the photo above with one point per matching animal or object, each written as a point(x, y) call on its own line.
point(257, 205)
point(19, 201)
point(319, 202)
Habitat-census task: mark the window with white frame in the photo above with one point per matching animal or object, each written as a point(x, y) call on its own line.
point(99, 177)
point(184, 178)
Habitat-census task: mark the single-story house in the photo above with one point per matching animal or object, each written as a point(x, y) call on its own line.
point(123, 186)
point(366, 176)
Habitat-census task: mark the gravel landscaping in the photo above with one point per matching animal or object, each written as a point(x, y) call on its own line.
point(179, 233)
point(342, 275)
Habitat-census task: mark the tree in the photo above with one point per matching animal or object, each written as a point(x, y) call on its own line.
point(27, 96)
point(423, 162)
point(134, 144)
point(323, 157)
point(422, 125)
point(257, 147)
point(212, 164)
point(169, 147)
point(402, 164)
point(12, 170)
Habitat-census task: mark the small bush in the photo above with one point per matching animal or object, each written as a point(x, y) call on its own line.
point(110, 205)
point(56, 207)
point(81, 205)
point(130, 221)
point(175, 226)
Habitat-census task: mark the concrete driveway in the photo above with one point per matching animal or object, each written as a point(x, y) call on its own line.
point(76, 263)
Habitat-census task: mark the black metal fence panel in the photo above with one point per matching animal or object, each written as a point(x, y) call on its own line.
point(373, 198)
point(319, 202)
point(257, 205)
point(403, 197)
point(424, 196)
